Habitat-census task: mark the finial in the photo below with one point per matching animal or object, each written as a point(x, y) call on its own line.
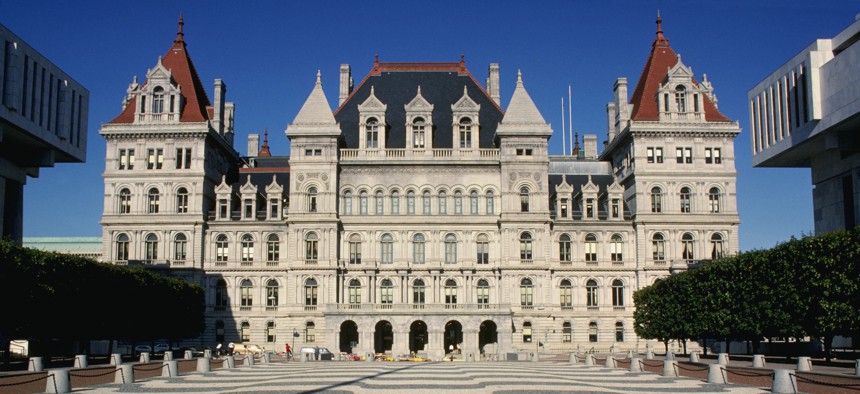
point(419, 90)
point(661, 39)
point(180, 35)
point(462, 63)
point(519, 77)
point(372, 91)
point(266, 136)
point(264, 150)
point(376, 60)
point(319, 77)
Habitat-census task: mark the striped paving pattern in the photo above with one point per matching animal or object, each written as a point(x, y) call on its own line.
point(363, 377)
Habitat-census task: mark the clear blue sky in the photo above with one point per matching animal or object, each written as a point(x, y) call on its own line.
point(268, 53)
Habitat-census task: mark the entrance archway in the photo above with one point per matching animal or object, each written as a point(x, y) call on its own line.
point(488, 334)
point(383, 337)
point(453, 335)
point(417, 336)
point(348, 336)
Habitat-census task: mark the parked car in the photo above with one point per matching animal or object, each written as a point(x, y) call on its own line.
point(142, 348)
point(195, 351)
point(247, 348)
point(160, 348)
point(318, 353)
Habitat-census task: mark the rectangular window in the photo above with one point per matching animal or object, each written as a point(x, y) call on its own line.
point(658, 155)
point(688, 155)
point(616, 208)
point(708, 156)
point(649, 155)
point(717, 156)
point(483, 252)
point(679, 155)
point(589, 208)
point(563, 207)
point(222, 209)
point(150, 159)
point(309, 152)
point(248, 204)
point(183, 158)
point(683, 155)
point(126, 159)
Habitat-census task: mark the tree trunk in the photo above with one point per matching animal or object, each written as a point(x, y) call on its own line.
point(685, 347)
point(666, 345)
point(828, 346)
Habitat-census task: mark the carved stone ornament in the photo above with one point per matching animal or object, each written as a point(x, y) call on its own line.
point(300, 178)
point(324, 177)
point(513, 176)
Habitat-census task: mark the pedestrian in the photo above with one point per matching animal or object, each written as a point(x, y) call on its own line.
point(230, 347)
point(288, 352)
point(451, 348)
point(218, 350)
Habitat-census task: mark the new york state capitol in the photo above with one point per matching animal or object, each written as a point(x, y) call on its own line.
point(419, 215)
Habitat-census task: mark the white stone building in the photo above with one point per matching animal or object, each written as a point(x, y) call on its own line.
point(419, 215)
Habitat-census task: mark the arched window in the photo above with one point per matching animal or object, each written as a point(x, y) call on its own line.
point(362, 202)
point(688, 245)
point(525, 247)
point(310, 332)
point(418, 292)
point(617, 293)
point(395, 202)
point(450, 249)
point(247, 248)
point(151, 247)
point(418, 249)
point(592, 332)
point(527, 332)
point(465, 133)
point(354, 291)
point(273, 248)
point(355, 249)
point(311, 247)
point(153, 198)
point(418, 133)
point(246, 332)
point(180, 243)
point(347, 202)
point(372, 133)
point(681, 98)
point(566, 332)
point(473, 202)
point(615, 248)
point(658, 248)
point(221, 299)
point(685, 200)
point(425, 202)
point(443, 203)
point(387, 249)
point(483, 248)
point(564, 248)
point(272, 293)
point(182, 200)
point(124, 201)
point(158, 100)
point(312, 199)
point(380, 202)
point(311, 292)
point(656, 200)
point(591, 248)
point(714, 200)
point(221, 248)
point(386, 292)
point(524, 199)
point(483, 292)
point(458, 203)
point(122, 247)
point(566, 291)
point(717, 246)
point(247, 293)
point(619, 332)
point(490, 204)
point(270, 332)
point(591, 300)
point(410, 202)
point(526, 292)
point(450, 292)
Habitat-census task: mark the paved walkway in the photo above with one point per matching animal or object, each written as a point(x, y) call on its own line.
point(363, 377)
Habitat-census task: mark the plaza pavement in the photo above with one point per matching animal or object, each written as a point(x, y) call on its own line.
point(426, 377)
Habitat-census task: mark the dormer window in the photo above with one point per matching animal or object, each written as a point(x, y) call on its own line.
point(418, 126)
point(681, 98)
point(158, 100)
point(372, 133)
point(465, 133)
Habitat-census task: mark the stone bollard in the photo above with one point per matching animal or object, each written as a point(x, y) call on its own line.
point(305, 358)
point(636, 364)
point(267, 358)
point(204, 365)
point(723, 359)
point(610, 362)
point(249, 360)
point(144, 357)
point(629, 354)
point(670, 368)
point(470, 359)
point(694, 357)
point(669, 356)
point(589, 359)
point(804, 364)
point(35, 365)
point(758, 361)
point(574, 360)
point(717, 374)
point(207, 353)
point(168, 356)
point(649, 354)
point(58, 381)
point(230, 361)
point(124, 374)
point(857, 367)
point(784, 382)
point(116, 359)
point(187, 355)
point(170, 369)
point(535, 357)
point(81, 361)
point(369, 358)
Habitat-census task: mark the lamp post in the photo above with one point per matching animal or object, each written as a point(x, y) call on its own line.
point(295, 335)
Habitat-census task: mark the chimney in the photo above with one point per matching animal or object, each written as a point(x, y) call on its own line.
point(622, 116)
point(253, 145)
point(345, 83)
point(611, 112)
point(218, 115)
point(493, 83)
point(589, 146)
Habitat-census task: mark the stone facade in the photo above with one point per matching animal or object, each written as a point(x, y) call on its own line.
point(418, 215)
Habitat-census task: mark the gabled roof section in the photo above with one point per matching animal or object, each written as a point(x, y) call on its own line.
point(521, 109)
point(178, 61)
point(660, 61)
point(315, 110)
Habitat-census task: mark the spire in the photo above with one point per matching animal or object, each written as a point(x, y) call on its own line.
point(315, 111)
point(521, 109)
point(661, 40)
point(264, 151)
point(575, 151)
point(180, 36)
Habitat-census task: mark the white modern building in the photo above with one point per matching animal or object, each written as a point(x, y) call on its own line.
point(806, 114)
point(419, 215)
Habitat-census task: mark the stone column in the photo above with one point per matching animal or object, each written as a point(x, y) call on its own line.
point(435, 343)
point(470, 344)
point(401, 342)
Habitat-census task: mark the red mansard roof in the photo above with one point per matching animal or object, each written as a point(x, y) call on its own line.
point(661, 59)
point(185, 75)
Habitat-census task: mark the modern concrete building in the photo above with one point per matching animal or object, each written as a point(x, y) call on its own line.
point(78, 246)
point(43, 120)
point(807, 114)
point(419, 215)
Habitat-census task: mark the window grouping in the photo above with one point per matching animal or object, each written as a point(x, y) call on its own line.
point(126, 159)
point(713, 156)
point(654, 154)
point(684, 155)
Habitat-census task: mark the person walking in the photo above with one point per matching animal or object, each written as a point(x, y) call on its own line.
point(218, 350)
point(230, 347)
point(288, 352)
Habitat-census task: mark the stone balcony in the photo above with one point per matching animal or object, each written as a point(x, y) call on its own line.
point(418, 155)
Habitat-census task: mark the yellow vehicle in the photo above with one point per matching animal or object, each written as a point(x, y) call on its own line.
point(247, 348)
point(382, 357)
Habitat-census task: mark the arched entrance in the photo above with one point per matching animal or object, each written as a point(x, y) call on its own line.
point(453, 335)
point(417, 336)
point(348, 336)
point(488, 334)
point(383, 338)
